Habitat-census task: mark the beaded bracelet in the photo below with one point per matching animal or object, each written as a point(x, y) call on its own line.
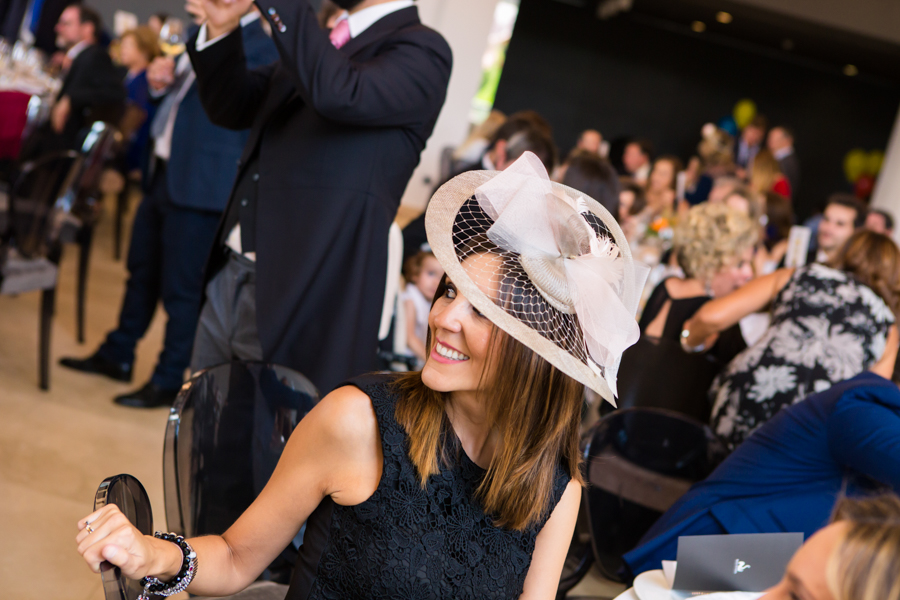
point(179, 583)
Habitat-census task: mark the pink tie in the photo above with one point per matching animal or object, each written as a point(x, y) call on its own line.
point(340, 35)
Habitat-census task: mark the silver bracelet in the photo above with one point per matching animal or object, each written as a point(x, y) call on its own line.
point(685, 334)
point(157, 587)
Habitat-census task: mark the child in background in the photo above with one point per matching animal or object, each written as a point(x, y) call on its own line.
point(423, 273)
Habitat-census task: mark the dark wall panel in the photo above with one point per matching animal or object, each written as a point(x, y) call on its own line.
point(627, 77)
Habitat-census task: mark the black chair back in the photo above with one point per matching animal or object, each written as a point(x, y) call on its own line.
point(657, 373)
point(129, 495)
point(638, 462)
point(33, 225)
point(226, 432)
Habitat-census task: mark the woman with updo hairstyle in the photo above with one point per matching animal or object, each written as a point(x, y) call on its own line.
point(766, 175)
point(713, 246)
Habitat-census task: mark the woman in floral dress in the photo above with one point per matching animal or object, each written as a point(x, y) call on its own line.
point(829, 323)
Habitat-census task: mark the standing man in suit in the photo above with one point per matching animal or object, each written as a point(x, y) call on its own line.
point(781, 143)
point(175, 225)
point(297, 274)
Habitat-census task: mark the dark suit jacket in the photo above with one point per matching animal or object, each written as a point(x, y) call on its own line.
point(203, 162)
point(13, 11)
point(790, 166)
point(789, 473)
point(337, 134)
point(96, 90)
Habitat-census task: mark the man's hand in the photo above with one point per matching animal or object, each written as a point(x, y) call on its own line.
point(161, 73)
point(224, 16)
point(60, 114)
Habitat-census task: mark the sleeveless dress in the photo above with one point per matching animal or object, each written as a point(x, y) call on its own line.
point(408, 543)
point(826, 327)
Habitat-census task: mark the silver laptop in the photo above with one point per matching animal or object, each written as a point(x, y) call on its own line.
point(733, 563)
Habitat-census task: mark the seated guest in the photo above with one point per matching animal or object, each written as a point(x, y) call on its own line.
point(714, 248)
point(716, 150)
point(632, 209)
point(137, 50)
point(722, 188)
point(459, 481)
point(843, 214)
point(587, 172)
point(698, 184)
point(750, 143)
point(747, 202)
point(787, 476)
point(92, 88)
point(779, 219)
point(880, 221)
point(423, 274)
point(766, 175)
point(637, 160)
point(780, 142)
point(857, 557)
point(661, 185)
point(829, 323)
point(591, 141)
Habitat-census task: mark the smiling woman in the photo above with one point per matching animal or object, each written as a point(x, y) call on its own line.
point(461, 481)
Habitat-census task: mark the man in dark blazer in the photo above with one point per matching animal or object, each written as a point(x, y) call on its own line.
point(175, 225)
point(36, 19)
point(92, 89)
point(297, 275)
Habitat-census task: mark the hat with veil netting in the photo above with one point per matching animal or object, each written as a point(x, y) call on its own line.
point(564, 282)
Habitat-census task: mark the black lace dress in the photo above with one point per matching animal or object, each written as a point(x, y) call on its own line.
point(408, 543)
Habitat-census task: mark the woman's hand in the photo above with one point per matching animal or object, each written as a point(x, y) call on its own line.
point(108, 535)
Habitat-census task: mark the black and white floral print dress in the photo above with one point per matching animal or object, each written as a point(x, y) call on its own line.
point(826, 327)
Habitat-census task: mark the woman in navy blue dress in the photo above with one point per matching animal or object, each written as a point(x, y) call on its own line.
point(137, 49)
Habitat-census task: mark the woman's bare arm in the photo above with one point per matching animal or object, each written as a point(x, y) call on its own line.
point(413, 342)
point(334, 451)
point(885, 365)
point(720, 314)
point(551, 547)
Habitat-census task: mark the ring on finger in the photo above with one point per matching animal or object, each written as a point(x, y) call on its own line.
point(90, 529)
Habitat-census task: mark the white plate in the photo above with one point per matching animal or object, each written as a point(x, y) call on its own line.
point(652, 585)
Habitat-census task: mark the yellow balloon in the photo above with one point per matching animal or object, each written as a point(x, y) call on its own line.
point(744, 112)
point(874, 160)
point(855, 164)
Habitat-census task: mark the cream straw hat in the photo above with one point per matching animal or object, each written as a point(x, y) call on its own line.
point(566, 284)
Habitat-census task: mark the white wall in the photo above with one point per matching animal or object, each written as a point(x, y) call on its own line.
point(887, 189)
point(466, 25)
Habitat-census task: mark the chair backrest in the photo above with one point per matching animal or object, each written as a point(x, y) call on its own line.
point(638, 462)
point(129, 495)
point(658, 373)
point(225, 434)
point(32, 225)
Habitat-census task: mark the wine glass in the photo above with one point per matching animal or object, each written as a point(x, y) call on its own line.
point(172, 40)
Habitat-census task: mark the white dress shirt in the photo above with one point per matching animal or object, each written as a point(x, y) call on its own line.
point(358, 22)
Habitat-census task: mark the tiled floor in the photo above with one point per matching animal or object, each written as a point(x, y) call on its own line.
point(57, 446)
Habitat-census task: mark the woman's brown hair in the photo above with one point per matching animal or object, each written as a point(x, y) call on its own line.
point(866, 563)
point(873, 260)
point(765, 172)
point(147, 41)
point(535, 409)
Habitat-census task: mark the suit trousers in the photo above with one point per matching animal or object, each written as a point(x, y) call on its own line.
point(227, 329)
point(169, 246)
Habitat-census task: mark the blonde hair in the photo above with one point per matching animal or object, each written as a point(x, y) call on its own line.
point(711, 237)
point(866, 563)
